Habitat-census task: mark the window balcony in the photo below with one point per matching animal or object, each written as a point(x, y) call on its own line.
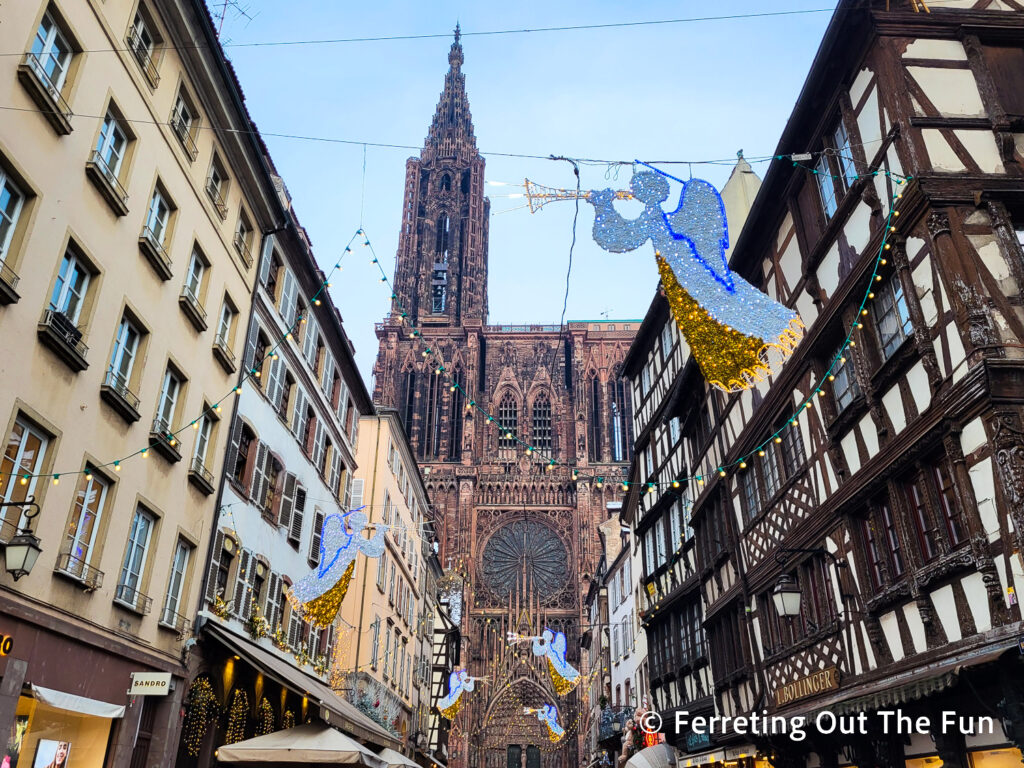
point(117, 394)
point(8, 285)
point(201, 477)
point(193, 308)
point(45, 94)
point(133, 599)
point(163, 442)
point(79, 571)
point(174, 621)
point(56, 331)
point(143, 57)
point(222, 351)
point(213, 192)
point(184, 133)
point(243, 249)
point(106, 181)
point(153, 250)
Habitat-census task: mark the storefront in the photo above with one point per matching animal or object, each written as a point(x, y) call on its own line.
point(72, 697)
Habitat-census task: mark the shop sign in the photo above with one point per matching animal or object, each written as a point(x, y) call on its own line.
point(7, 644)
point(695, 741)
point(823, 680)
point(150, 684)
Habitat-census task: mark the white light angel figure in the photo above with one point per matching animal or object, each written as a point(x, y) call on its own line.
point(552, 646)
point(459, 682)
point(735, 332)
point(318, 595)
point(548, 715)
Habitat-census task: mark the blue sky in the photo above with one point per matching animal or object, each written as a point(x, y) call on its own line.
point(690, 91)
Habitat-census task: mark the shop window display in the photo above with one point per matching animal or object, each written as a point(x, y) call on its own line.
point(47, 737)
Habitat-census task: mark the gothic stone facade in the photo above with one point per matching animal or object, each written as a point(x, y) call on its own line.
point(524, 538)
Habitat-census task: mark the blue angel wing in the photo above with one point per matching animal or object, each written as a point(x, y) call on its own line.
point(700, 221)
point(558, 646)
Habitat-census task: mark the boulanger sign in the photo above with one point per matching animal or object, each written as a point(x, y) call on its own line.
point(150, 684)
point(823, 680)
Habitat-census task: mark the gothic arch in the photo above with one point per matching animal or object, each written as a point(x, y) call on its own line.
point(519, 682)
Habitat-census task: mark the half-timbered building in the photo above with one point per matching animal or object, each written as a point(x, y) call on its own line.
point(858, 519)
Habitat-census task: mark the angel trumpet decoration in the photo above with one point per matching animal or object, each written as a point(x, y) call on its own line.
point(552, 645)
point(459, 682)
point(735, 332)
point(548, 715)
point(317, 596)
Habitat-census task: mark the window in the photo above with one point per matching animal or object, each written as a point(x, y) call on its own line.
point(542, 423)
point(243, 238)
point(892, 320)
point(892, 539)
point(826, 186)
point(194, 276)
point(508, 421)
point(594, 422)
point(184, 122)
point(203, 430)
point(948, 506)
point(924, 528)
point(666, 340)
point(873, 557)
point(11, 200)
point(126, 347)
point(70, 289)
point(26, 447)
point(770, 466)
point(751, 493)
point(217, 186)
point(86, 515)
point(169, 391)
point(226, 324)
point(246, 441)
point(844, 156)
point(844, 382)
point(792, 449)
point(52, 51)
point(142, 41)
point(129, 585)
point(157, 218)
point(382, 568)
point(622, 430)
point(375, 642)
point(111, 144)
point(172, 604)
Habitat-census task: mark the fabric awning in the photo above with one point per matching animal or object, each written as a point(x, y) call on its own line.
point(72, 703)
point(396, 759)
point(334, 709)
point(311, 743)
point(899, 689)
point(658, 756)
point(702, 758)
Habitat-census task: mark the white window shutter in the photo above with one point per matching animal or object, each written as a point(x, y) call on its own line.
point(325, 380)
point(241, 596)
point(211, 577)
point(309, 342)
point(318, 447)
point(299, 414)
point(288, 296)
point(258, 488)
point(284, 518)
point(314, 542)
point(356, 499)
point(298, 511)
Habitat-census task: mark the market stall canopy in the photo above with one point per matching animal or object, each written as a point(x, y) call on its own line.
point(396, 759)
point(658, 756)
point(311, 743)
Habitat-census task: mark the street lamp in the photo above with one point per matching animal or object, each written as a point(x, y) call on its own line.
point(786, 596)
point(23, 549)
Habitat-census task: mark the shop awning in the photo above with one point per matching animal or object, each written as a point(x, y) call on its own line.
point(334, 709)
point(396, 759)
point(900, 689)
point(311, 743)
point(72, 703)
point(702, 758)
point(658, 756)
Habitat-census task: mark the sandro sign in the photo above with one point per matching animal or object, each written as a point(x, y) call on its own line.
point(823, 680)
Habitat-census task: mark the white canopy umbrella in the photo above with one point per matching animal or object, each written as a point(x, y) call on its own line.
point(396, 759)
point(658, 756)
point(315, 743)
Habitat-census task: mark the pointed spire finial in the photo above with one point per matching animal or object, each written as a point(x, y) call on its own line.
point(455, 54)
point(458, 32)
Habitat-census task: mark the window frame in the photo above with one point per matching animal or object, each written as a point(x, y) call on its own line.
point(167, 615)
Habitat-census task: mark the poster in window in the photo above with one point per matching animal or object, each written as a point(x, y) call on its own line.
point(14, 742)
point(52, 754)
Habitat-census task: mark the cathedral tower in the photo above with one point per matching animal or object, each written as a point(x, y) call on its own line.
point(522, 536)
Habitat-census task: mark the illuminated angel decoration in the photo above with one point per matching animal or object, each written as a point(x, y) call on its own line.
point(735, 332)
point(552, 646)
point(317, 596)
point(459, 682)
point(548, 715)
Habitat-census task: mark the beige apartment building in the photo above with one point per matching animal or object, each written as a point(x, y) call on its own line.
point(388, 676)
point(130, 221)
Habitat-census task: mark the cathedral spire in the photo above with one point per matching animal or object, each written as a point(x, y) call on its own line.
point(451, 132)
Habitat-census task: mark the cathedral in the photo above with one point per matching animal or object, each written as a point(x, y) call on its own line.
point(521, 534)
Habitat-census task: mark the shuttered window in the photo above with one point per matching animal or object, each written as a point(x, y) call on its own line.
point(315, 539)
point(299, 510)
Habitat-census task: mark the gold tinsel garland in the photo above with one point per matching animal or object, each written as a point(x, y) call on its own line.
point(321, 611)
point(237, 716)
point(202, 710)
point(561, 684)
point(288, 721)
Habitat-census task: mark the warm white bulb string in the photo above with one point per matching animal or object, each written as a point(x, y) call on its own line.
point(435, 361)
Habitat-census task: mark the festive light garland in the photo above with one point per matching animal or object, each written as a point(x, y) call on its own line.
point(264, 718)
point(201, 712)
point(237, 716)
